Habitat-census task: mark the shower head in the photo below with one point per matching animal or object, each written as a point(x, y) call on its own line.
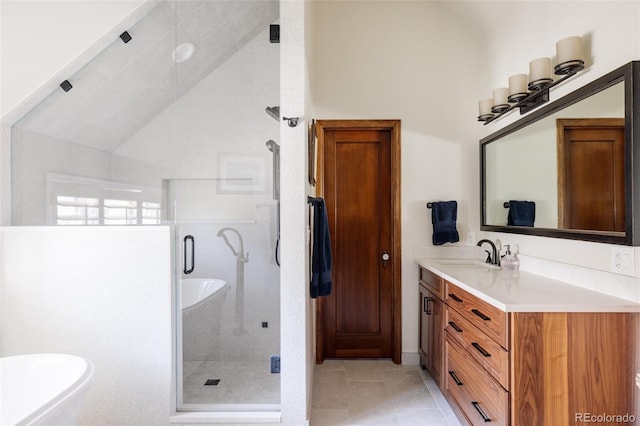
point(274, 112)
point(271, 144)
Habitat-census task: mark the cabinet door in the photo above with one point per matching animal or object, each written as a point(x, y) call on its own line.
point(431, 346)
point(425, 327)
point(436, 366)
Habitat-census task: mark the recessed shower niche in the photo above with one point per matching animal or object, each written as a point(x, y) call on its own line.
point(153, 134)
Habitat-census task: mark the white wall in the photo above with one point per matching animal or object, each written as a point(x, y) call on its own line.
point(296, 331)
point(102, 293)
point(410, 61)
point(308, 112)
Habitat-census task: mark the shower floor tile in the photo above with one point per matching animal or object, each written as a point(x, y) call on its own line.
point(241, 382)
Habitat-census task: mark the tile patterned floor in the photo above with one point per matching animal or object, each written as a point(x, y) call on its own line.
point(376, 392)
point(246, 382)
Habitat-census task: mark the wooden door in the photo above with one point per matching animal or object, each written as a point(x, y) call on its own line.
point(591, 193)
point(360, 185)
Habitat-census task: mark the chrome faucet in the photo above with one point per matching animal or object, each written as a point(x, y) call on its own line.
point(492, 256)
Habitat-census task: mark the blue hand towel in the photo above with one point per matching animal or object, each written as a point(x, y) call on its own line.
point(321, 255)
point(521, 213)
point(443, 216)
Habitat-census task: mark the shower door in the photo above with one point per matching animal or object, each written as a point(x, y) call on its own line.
point(225, 207)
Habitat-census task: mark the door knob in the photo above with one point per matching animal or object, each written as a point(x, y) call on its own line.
point(385, 258)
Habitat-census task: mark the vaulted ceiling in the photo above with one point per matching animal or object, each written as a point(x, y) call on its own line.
point(128, 84)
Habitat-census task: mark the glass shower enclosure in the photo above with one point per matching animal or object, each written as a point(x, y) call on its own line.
point(170, 125)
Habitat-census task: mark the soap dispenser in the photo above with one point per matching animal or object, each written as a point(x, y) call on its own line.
point(510, 260)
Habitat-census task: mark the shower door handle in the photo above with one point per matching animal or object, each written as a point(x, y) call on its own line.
point(193, 253)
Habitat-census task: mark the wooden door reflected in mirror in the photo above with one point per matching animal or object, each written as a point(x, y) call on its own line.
point(591, 174)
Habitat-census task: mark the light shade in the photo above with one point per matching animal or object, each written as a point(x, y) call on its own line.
point(569, 49)
point(540, 73)
point(569, 55)
point(484, 106)
point(517, 87)
point(500, 103)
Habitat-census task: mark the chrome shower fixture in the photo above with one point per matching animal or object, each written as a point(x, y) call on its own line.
point(271, 144)
point(273, 112)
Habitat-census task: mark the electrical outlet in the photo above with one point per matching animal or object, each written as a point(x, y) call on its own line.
point(622, 261)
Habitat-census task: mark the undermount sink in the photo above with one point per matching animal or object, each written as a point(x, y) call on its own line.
point(469, 263)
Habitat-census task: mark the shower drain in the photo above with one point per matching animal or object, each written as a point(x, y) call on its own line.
point(212, 382)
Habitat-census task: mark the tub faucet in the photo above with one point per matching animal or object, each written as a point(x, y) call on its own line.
point(239, 254)
point(241, 260)
point(492, 256)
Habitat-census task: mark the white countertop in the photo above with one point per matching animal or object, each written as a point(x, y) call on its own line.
point(520, 291)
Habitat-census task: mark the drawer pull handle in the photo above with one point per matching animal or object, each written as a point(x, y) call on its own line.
point(454, 297)
point(455, 378)
point(455, 326)
point(485, 418)
point(481, 350)
point(425, 305)
point(481, 315)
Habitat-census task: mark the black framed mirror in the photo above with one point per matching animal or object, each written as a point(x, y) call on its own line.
point(567, 169)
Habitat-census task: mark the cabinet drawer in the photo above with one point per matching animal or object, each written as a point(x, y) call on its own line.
point(478, 395)
point(489, 319)
point(433, 282)
point(488, 353)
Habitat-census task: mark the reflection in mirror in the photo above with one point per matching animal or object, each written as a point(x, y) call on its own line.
point(524, 165)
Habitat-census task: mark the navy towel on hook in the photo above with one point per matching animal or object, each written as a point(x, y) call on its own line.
point(443, 216)
point(321, 255)
point(521, 213)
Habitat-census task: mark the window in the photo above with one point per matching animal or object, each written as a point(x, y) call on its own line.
point(120, 212)
point(81, 201)
point(77, 211)
point(150, 213)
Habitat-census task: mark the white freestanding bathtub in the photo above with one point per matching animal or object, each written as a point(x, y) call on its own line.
point(43, 389)
point(202, 304)
point(198, 291)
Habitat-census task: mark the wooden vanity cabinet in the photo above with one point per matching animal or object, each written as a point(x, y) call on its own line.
point(431, 335)
point(536, 368)
point(568, 364)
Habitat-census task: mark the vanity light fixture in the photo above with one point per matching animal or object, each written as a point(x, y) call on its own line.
point(528, 94)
